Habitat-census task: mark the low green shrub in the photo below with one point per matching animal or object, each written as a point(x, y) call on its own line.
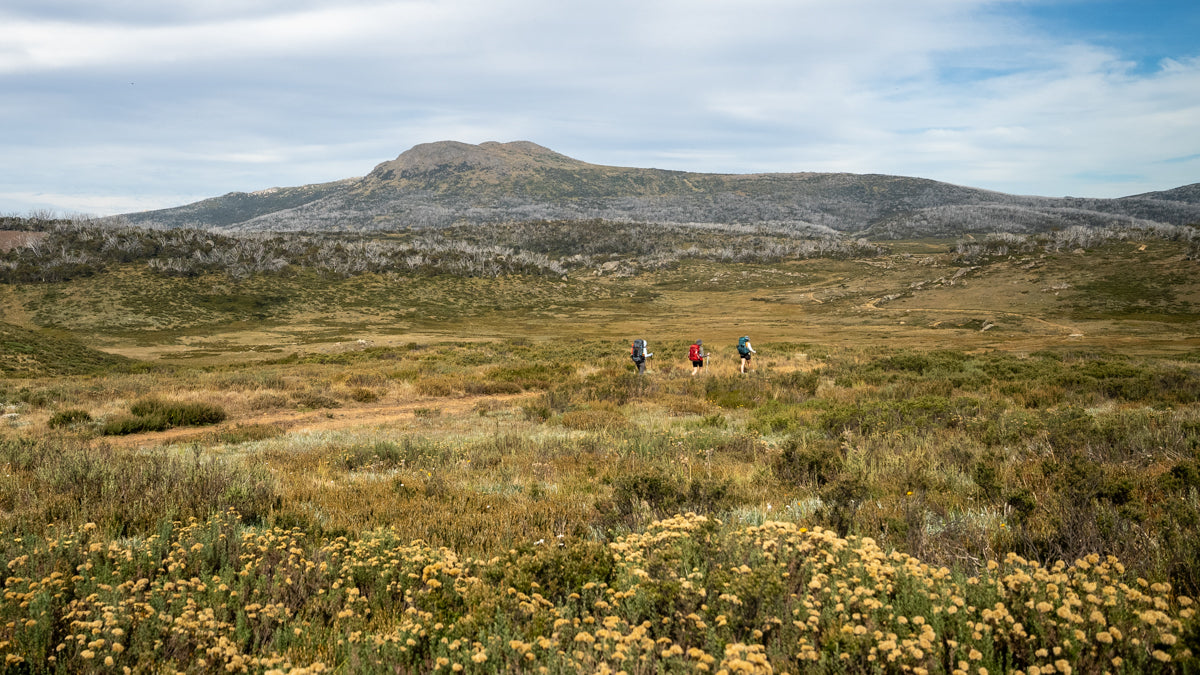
point(69, 417)
point(152, 414)
point(919, 414)
point(777, 417)
point(736, 392)
point(797, 385)
point(652, 493)
point(123, 425)
point(178, 413)
point(802, 461)
point(531, 376)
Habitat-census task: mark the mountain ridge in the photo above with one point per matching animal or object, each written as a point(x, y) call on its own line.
point(449, 182)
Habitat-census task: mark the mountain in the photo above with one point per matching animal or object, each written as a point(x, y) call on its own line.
point(440, 184)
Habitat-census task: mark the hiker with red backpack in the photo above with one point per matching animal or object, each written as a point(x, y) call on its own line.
point(697, 356)
point(639, 354)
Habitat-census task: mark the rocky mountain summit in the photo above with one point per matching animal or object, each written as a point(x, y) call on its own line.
point(447, 183)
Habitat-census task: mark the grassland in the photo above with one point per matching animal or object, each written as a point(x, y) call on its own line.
point(934, 466)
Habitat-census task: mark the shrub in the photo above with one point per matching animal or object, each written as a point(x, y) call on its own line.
point(736, 392)
point(530, 376)
point(652, 493)
point(178, 414)
point(314, 400)
point(555, 573)
point(436, 386)
point(843, 496)
point(986, 475)
point(801, 461)
point(268, 401)
point(123, 425)
point(153, 414)
point(366, 380)
point(908, 414)
point(363, 395)
point(69, 417)
point(798, 385)
point(776, 417)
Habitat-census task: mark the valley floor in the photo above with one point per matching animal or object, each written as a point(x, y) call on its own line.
point(934, 465)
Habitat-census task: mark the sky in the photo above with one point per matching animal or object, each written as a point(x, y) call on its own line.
point(130, 105)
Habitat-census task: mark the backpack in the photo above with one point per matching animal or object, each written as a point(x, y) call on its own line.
point(743, 344)
point(694, 353)
point(639, 350)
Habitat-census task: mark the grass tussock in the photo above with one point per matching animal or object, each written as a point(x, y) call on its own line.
point(59, 483)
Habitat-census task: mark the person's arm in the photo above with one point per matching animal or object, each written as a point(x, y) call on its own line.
point(646, 349)
point(750, 347)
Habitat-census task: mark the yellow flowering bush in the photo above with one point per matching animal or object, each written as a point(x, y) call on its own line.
point(689, 594)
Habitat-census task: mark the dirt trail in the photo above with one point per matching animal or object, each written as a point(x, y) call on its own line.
point(383, 414)
point(305, 421)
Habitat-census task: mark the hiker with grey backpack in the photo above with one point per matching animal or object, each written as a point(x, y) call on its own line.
point(639, 354)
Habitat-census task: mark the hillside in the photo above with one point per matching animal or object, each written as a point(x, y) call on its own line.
point(441, 184)
point(33, 353)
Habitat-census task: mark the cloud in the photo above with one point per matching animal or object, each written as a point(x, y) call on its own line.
point(159, 100)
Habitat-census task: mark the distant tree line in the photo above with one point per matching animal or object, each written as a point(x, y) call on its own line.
point(1077, 237)
point(35, 221)
point(954, 219)
point(71, 249)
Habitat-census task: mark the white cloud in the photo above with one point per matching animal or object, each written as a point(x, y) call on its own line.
point(66, 205)
point(243, 95)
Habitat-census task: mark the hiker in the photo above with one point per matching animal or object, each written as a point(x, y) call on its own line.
point(697, 356)
point(639, 354)
point(745, 350)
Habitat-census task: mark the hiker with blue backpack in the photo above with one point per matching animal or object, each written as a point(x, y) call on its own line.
point(745, 350)
point(639, 354)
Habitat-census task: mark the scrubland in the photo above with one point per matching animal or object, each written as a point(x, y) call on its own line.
point(896, 486)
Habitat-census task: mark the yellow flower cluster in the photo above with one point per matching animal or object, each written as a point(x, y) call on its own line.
point(688, 594)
